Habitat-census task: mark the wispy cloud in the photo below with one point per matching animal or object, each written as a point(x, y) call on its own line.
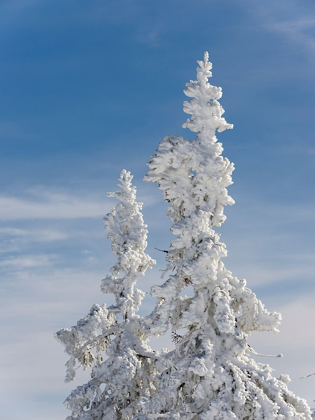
point(36, 235)
point(64, 296)
point(48, 205)
point(269, 245)
point(295, 341)
point(26, 261)
point(38, 203)
point(290, 19)
point(301, 31)
point(151, 38)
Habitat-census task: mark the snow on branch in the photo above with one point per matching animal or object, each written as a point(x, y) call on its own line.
point(111, 340)
point(210, 374)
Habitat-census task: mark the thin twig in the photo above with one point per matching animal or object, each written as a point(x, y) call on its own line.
point(307, 376)
point(162, 250)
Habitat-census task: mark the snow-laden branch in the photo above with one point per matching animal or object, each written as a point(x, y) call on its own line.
point(111, 340)
point(211, 373)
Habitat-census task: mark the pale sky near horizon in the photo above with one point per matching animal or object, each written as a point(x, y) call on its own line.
point(90, 88)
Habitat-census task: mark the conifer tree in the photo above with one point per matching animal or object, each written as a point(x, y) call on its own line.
point(111, 340)
point(211, 374)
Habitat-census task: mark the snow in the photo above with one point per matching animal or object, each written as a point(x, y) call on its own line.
point(211, 373)
point(121, 361)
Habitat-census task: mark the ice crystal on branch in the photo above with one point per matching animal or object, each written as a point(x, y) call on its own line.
point(211, 373)
point(128, 234)
point(206, 112)
point(111, 340)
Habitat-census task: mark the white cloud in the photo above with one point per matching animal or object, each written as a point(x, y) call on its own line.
point(89, 256)
point(151, 38)
point(46, 205)
point(32, 261)
point(61, 297)
point(38, 235)
point(42, 204)
point(270, 243)
point(36, 306)
point(261, 275)
point(296, 341)
point(40, 300)
point(297, 31)
point(289, 18)
point(34, 370)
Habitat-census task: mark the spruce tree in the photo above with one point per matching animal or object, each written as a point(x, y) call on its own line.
point(211, 374)
point(111, 340)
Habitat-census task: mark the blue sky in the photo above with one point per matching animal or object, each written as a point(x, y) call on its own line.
point(89, 88)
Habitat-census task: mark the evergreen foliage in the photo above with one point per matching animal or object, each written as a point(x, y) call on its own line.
point(211, 374)
point(118, 381)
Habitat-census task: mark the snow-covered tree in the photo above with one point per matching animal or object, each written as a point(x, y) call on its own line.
point(111, 340)
point(211, 374)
